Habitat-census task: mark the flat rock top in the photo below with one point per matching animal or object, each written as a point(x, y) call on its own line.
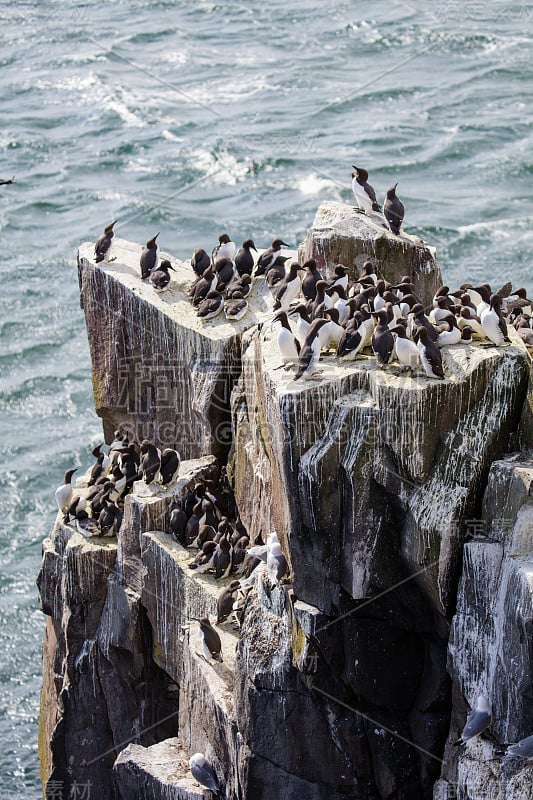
point(166, 762)
point(175, 302)
point(459, 361)
point(344, 220)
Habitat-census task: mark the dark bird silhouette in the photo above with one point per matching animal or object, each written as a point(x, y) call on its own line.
point(276, 272)
point(382, 339)
point(268, 257)
point(311, 278)
point(103, 243)
point(200, 261)
point(393, 210)
point(150, 461)
point(225, 601)
point(210, 640)
point(178, 523)
point(159, 278)
point(244, 260)
point(149, 257)
point(170, 465)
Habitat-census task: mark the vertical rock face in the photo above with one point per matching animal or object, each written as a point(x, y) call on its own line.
point(159, 371)
point(491, 642)
point(98, 645)
point(335, 687)
point(377, 476)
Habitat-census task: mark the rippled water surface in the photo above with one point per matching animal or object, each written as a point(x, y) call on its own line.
point(194, 117)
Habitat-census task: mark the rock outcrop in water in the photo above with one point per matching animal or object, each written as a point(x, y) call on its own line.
point(336, 686)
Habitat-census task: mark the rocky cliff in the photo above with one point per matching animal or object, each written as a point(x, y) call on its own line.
point(406, 598)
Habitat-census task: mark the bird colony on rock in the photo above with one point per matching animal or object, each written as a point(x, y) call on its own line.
point(313, 313)
point(205, 520)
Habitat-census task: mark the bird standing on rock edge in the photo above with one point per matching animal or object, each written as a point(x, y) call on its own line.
point(224, 249)
point(159, 278)
point(209, 639)
point(478, 720)
point(244, 260)
point(393, 210)
point(149, 257)
point(269, 256)
point(363, 192)
point(103, 244)
point(203, 772)
point(63, 494)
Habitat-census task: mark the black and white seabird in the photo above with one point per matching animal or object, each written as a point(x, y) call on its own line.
point(240, 286)
point(441, 309)
point(331, 334)
point(368, 273)
point(382, 339)
point(363, 192)
point(211, 306)
point(268, 257)
point(210, 640)
point(289, 346)
point(205, 559)
point(63, 494)
point(225, 601)
point(393, 210)
point(244, 260)
point(276, 272)
point(303, 323)
point(159, 278)
point(149, 257)
point(522, 302)
point(87, 525)
point(493, 323)
point(340, 277)
point(98, 467)
point(289, 288)
point(236, 307)
point(429, 355)
point(200, 261)
point(478, 720)
point(8, 181)
point(224, 271)
point(203, 286)
point(351, 342)
point(310, 280)
point(407, 351)
point(102, 246)
point(170, 466)
point(310, 352)
point(203, 772)
point(419, 321)
point(107, 519)
point(224, 249)
point(448, 332)
point(150, 462)
point(223, 558)
point(178, 523)
point(319, 304)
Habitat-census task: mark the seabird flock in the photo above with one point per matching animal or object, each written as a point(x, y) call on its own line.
point(316, 313)
point(206, 519)
point(313, 313)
